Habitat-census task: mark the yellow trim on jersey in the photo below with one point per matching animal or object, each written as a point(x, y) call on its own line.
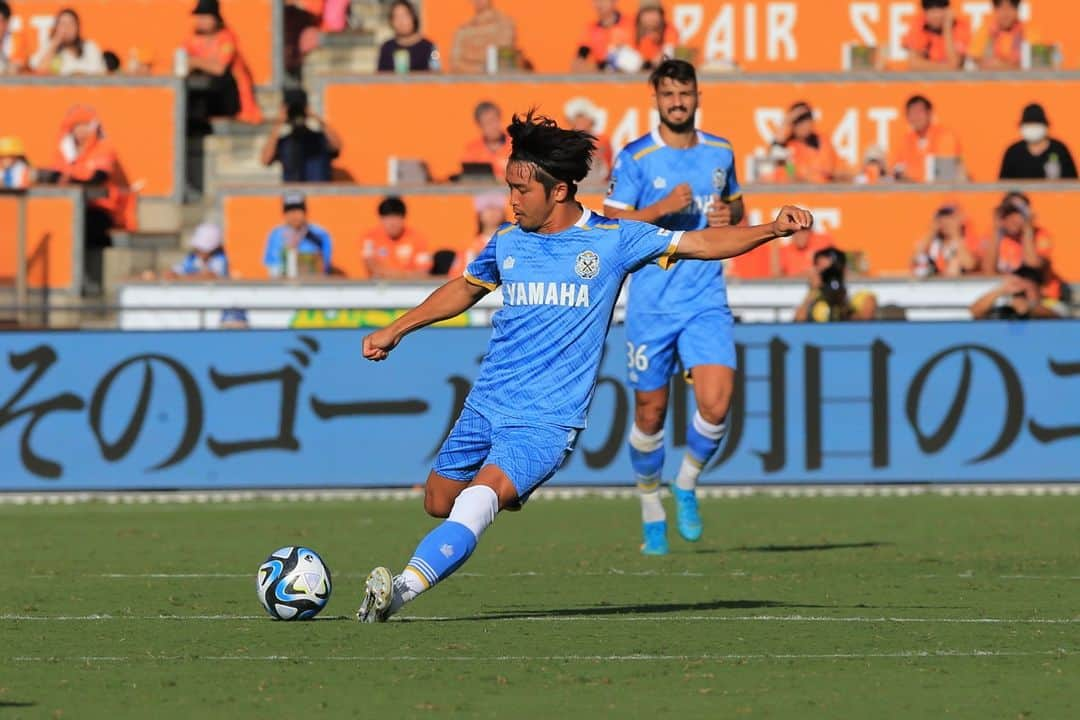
point(732, 198)
point(642, 153)
point(505, 230)
point(607, 226)
point(717, 143)
point(664, 261)
point(473, 280)
point(419, 575)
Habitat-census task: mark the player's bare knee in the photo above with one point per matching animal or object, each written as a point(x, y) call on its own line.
point(649, 415)
point(714, 409)
point(437, 505)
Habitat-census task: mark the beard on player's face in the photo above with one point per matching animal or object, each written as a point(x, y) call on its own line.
point(684, 125)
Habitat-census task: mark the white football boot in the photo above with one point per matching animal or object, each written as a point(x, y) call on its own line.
point(378, 594)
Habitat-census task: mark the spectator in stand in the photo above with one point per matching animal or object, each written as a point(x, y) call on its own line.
point(206, 259)
point(67, 52)
point(875, 169)
point(938, 39)
point(655, 39)
point(611, 30)
point(1037, 156)
point(493, 145)
point(219, 81)
point(302, 21)
point(926, 140)
point(408, 51)
point(490, 216)
point(810, 157)
point(998, 44)
point(582, 114)
point(85, 156)
point(828, 299)
point(304, 154)
point(488, 28)
point(297, 247)
point(11, 50)
point(795, 256)
point(1019, 297)
point(392, 249)
point(15, 172)
point(1018, 240)
point(949, 249)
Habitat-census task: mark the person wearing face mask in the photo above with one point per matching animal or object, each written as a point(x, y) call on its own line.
point(1037, 156)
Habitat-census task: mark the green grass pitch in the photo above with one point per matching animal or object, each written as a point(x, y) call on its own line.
point(869, 607)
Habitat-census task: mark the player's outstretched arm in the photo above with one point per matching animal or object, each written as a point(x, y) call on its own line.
point(718, 243)
point(450, 300)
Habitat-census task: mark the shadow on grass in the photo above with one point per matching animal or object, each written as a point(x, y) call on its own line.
point(635, 609)
point(13, 704)
point(809, 548)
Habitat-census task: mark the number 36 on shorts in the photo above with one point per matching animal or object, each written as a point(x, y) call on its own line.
point(636, 359)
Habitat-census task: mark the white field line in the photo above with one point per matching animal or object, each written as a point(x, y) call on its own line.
point(549, 493)
point(580, 618)
point(901, 655)
point(612, 572)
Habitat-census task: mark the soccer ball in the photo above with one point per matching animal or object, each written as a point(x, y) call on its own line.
point(293, 584)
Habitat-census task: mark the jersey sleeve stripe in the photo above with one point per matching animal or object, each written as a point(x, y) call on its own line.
point(472, 280)
point(731, 198)
point(665, 261)
point(642, 153)
point(719, 144)
point(618, 205)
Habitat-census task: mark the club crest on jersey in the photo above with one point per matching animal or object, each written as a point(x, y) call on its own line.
point(588, 265)
point(659, 183)
point(508, 263)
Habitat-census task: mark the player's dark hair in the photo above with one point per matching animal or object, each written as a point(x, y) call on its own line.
point(678, 70)
point(557, 155)
point(5, 10)
point(411, 10)
point(393, 205)
point(917, 100)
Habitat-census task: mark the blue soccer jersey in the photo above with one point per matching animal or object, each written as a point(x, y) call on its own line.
point(559, 292)
point(646, 171)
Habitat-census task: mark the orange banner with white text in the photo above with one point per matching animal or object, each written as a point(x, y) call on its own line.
point(756, 35)
point(139, 121)
point(884, 225)
point(50, 223)
point(853, 115)
point(152, 28)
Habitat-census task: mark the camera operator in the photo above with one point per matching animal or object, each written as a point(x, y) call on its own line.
point(828, 299)
point(1019, 297)
point(304, 153)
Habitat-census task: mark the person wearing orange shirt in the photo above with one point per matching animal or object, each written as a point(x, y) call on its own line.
point(949, 249)
point(493, 145)
point(938, 40)
point(612, 29)
point(393, 250)
point(810, 157)
point(582, 114)
point(925, 141)
point(1018, 241)
point(998, 44)
point(655, 38)
point(795, 257)
point(219, 82)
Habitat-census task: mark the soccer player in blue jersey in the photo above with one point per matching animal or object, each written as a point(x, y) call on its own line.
point(561, 268)
point(681, 179)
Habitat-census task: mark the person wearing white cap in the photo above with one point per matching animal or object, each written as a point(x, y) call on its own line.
point(206, 260)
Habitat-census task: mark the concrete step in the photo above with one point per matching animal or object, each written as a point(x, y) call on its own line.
point(234, 159)
point(344, 60)
point(158, 215)
point(125, 263)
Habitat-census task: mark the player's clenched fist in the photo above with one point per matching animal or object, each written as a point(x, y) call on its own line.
point(678, 199)
point(790, 220)
point(377, 345)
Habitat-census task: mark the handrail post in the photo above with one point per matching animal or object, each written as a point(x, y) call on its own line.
point(22, 290)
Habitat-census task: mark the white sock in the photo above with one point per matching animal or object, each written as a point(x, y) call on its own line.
point(407, 586)
point(652, 510)
point(688, 473)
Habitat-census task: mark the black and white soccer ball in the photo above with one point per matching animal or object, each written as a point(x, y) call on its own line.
point(293, 583)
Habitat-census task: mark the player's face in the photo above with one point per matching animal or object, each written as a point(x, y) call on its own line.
point(677, 102)
point(530, 203)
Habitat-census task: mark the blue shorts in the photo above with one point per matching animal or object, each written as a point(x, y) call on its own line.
point(529, 454)
point(656, 343)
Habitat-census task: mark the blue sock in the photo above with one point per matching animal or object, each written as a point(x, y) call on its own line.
point(442, 552)
point(646, 457)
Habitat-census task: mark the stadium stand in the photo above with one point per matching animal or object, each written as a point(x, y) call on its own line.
point(404, 135)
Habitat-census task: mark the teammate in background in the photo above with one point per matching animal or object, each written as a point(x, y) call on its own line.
point(679, 178)
point(561, 268)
